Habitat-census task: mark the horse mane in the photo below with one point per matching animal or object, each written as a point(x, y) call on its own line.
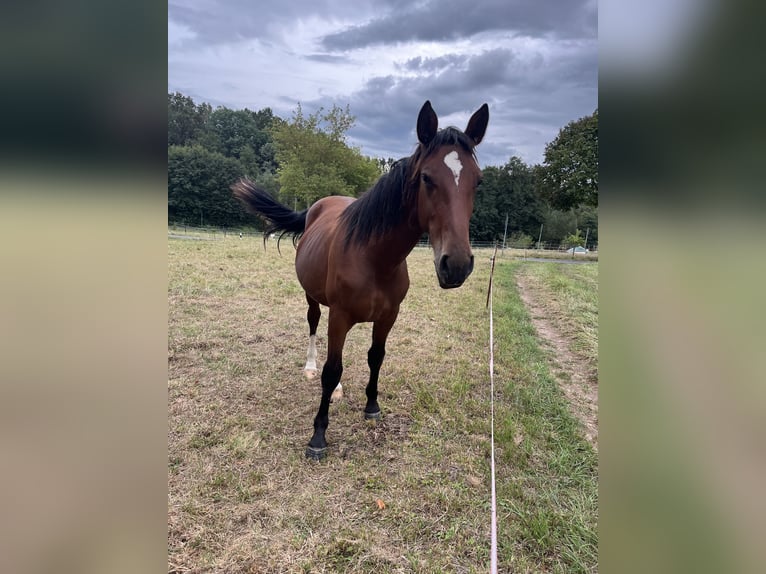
point(389, 201)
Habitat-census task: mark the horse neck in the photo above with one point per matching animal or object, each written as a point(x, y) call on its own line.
point(393, 246)
point(392, 240)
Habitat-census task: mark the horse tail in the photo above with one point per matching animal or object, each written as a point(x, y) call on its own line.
point(278, 217)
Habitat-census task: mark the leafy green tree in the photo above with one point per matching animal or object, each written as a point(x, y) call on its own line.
point(522, 204)
point(570, 170)
point(199, 183)
point(506, 191)
point(186, 120)
point(557, 224)
point(248, 159)
point(242, 134)
point(359, 171)
point(267, 155)
point(486, 222)
point(314, 159)
point(267, 180)
point(586, 217)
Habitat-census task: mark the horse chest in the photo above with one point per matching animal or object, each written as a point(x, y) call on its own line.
point(371, 299)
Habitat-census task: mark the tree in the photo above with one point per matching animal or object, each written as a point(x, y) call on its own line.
point(557, 225)
point(570, 170)
point(586, 219)
point(521, 202)
point(186, 121)
point(242, 134)
point(314, 160)
point(486, 222)
point(199, 183)
point(210, 149)
point(507, 190)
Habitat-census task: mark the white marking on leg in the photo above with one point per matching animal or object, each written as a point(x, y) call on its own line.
point(337, 394)
point(452, 161)
point(311, 358)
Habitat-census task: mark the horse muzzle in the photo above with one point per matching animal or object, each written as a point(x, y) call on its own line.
point(453, 271)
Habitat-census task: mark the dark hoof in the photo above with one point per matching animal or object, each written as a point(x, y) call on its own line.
point(371, 416)
point(315, 453)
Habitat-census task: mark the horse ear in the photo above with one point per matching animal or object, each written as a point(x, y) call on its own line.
point(428, 123)
point(477, 125)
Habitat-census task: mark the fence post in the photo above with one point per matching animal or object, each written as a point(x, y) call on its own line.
point(505, 231)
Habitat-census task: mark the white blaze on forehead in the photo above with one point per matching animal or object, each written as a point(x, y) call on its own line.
point(452, 161)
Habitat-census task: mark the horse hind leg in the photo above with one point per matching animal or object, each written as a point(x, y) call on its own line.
point(312, 316)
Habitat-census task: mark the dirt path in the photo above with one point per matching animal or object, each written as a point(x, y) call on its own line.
point(576, 376)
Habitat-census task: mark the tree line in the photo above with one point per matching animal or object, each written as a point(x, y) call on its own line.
point(306, 157)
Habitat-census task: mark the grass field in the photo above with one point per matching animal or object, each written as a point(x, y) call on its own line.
point(408, 494)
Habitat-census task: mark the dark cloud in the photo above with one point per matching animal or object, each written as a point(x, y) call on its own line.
point(444, 20)
point(326, 58)
point(530, 97)
point(420, 64)
point(537, 72)
point(216, 22)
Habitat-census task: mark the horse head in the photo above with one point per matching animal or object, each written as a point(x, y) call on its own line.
point(447, 176)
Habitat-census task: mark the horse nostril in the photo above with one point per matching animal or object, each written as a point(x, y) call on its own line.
point(443, 265)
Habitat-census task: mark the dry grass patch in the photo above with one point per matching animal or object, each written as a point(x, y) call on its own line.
point(408, 494)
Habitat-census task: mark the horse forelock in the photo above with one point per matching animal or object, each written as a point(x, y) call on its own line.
point(450, 136)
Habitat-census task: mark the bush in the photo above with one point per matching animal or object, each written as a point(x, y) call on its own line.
point(520, 240)
point(573, 240)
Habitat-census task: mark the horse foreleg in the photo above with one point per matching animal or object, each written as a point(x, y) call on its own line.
point(375, 356)
point(310, 370)
point(312, 316)
point(331, 373)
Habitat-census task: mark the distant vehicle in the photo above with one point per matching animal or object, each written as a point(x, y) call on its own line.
point(577, 249)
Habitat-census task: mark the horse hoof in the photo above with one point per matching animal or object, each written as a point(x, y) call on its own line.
point(315, 453)
point(311, 374)
point(371, 416)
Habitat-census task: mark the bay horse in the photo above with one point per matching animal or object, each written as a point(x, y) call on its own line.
point(351, 253)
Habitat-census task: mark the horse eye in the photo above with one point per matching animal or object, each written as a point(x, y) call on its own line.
point(426, 179)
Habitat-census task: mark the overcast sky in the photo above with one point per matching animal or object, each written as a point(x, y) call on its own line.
point(534, 62)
